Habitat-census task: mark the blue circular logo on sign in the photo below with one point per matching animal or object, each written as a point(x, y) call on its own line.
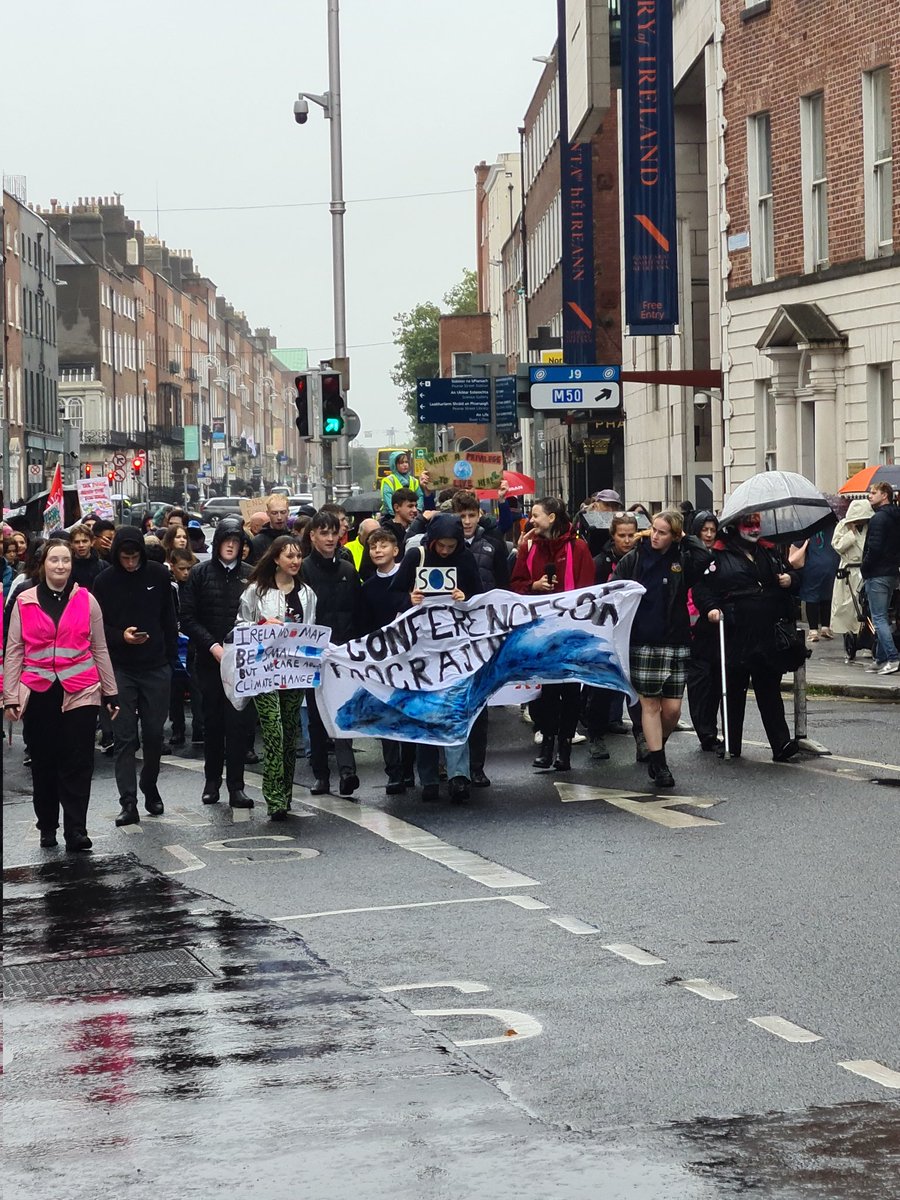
point(462, 469)
point(435, 578)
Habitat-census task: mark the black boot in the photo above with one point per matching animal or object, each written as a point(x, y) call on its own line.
point(545, 756)
point(128, 813)
point(658, 769)
point(563, 760)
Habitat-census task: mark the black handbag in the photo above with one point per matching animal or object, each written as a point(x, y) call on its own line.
point(790, 646)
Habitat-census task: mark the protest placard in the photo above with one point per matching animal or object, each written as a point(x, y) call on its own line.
point(427, 675)
point(470, 470)
point(272, 658)
point(94, 497)
point(252, 505)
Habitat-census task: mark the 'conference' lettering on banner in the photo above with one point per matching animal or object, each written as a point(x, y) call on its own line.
point(427, 675)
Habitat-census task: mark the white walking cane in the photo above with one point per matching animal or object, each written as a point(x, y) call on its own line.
point(724, 683)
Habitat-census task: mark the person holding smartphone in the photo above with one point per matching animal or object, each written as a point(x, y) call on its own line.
point(57, 673)
point(135, 597)
point(553, 559)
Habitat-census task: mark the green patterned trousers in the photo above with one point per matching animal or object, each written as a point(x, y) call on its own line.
point(279, 720)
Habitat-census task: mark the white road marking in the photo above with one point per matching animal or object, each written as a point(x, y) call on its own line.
point(659, 810)
point(709, 991)
point(410, 837)
point(634, 954)
point(859, 762)
point(876, 1071)
point(191, 861)
point(418, 841)
point(573, 925)
point(785, 1029)
point(518, 901)
point(458, 985)
point(519, 1025)
point(239, 815)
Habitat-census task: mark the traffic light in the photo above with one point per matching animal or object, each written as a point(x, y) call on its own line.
point(332, 405)
point(88, 469)
point(301, 382)
point(137, 464)
point(111, 477)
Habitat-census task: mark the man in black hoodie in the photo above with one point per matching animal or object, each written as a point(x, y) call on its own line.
point(135, 597)
point(277, 510)
point(208, 613)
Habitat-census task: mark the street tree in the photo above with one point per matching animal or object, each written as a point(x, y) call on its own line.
point(416, 337)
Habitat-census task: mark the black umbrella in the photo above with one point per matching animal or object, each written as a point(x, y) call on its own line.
point(363, 504)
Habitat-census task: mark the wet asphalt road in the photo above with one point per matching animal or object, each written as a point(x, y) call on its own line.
point(621, 1081)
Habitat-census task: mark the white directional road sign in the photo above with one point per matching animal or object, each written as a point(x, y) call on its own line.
point(583, 394)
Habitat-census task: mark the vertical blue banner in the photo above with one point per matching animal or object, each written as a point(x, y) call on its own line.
point(576, 202)
point(648, 120)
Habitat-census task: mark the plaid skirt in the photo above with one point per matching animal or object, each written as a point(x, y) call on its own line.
point(659, 670)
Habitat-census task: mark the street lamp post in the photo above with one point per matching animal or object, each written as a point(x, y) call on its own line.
point(330, 103)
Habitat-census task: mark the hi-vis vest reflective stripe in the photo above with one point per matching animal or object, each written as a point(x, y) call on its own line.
point(62, 653)
point(394, 483)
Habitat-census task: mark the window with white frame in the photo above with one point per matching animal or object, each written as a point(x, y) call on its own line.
point(881, 412)
point(759, 176)
point(815, 181)
point(767, 456)
point(878, 162)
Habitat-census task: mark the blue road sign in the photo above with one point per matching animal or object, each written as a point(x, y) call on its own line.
point(464, 399)
point(574, 375)
point(505, 402)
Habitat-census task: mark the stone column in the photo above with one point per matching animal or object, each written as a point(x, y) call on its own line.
point(785, 364)
point(825, 367)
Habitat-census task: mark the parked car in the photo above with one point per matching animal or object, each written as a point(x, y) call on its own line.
point(217, 507)
point(294, 502)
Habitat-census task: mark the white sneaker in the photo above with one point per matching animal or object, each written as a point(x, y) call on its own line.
point(826, 633)
point(874, 667)
point(579, 737)
point(890, 668)
point(812, 636)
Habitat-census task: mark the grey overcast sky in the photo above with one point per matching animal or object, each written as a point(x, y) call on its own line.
point(188, 104)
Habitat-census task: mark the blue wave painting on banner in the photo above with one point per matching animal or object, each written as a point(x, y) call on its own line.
point(427, 676)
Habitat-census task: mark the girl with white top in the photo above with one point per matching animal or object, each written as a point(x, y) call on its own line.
point(275, 594)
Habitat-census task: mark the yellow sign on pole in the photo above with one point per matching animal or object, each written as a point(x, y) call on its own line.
point(552, 356)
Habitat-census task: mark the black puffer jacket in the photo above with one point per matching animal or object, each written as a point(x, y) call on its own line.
point(262, 541)
point(210, 598)
point(881, 554)
point(742, 582)
point(493, 564)
point(338, 594)
point(666, 577)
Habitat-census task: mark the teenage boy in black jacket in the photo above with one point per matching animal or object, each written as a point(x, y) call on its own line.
point(209, 605)
point(135, 597)
point(380, 605)
point(336, 585)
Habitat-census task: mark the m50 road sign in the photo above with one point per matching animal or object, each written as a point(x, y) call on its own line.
point(602, 394)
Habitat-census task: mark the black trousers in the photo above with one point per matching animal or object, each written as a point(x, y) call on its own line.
point(227, 731)
point(767, 689)
point(597, 708)
point(557, 710)
point(399, 760)
point(478, 740)
point(704, 693)
point(62, 760)
point(318, 744)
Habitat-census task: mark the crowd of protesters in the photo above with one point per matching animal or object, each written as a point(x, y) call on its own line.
point(110, 632)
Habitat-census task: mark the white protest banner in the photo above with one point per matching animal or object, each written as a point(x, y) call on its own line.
point(272, 658)
point(94, 497)
point(427, 675)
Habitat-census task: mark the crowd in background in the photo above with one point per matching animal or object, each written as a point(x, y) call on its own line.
point(111, 632)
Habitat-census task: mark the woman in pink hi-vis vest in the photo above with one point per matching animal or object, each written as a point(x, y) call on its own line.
point(57, 673)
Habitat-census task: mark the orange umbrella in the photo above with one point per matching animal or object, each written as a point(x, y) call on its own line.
point(863, 480)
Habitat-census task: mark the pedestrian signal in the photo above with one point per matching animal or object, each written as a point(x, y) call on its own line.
point(137, 464)
point(332, 405)
point(87, 470)
point(301, 382)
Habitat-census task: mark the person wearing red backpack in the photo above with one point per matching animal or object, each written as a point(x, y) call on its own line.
point(553, 559)
point(57, 672)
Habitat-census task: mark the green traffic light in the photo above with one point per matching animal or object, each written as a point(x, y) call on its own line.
point(333, 425)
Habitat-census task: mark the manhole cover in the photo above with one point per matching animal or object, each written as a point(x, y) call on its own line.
point(113, 972)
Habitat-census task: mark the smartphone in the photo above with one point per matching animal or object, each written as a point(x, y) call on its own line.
point(550, 572)
point(141, 633)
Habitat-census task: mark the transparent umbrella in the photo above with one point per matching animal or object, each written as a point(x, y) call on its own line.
point(790, 507)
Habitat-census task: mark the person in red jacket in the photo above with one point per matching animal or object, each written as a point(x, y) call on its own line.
point(552, 559)
point(57, 672)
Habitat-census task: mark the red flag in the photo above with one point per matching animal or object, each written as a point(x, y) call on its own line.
point(56, 491)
